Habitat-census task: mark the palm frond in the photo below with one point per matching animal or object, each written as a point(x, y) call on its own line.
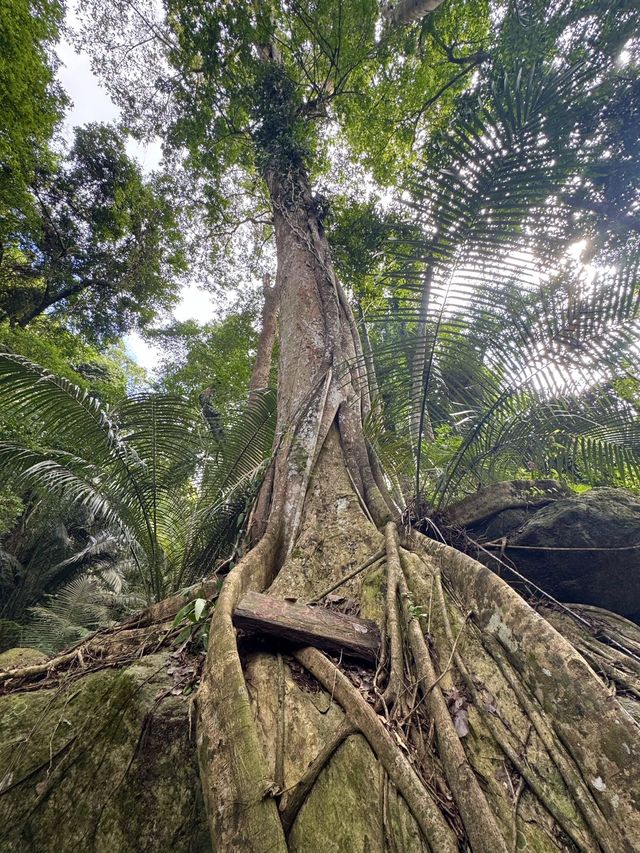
point(168, 492)
point(498, 315)
point(63, 411)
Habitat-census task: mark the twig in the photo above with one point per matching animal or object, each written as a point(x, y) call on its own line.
point(478, 819)
point(394, 571)
point(504, 545)
point(361, 500)
point(370, 562)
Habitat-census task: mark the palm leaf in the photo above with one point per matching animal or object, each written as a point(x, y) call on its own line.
point(504, 317)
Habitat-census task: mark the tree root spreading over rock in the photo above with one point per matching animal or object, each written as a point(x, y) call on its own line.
point(493, 730)
point(581, 784)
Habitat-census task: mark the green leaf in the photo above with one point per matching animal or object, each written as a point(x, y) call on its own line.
point(184, 613)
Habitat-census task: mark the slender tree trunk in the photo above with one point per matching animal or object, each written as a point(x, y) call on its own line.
point(262, 366)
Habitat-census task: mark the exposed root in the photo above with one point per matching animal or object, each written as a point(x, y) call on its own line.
point(528, 773)
point(291, 801)
point(237, 786)
point(134, 635)
point(557, 781)
point(424, 809)
point(349, 576)
point(487, 830)
point(508, 494)
point(163, 611)
point(110, 648)
point(392, 624)
point(604, 832)
point(591, 727)
point(588, 721)
point(479, 822)
point(514, 821)
point(280, 733)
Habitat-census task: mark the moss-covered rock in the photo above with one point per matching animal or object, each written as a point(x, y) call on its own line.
point(20, 656)
point(103, 763)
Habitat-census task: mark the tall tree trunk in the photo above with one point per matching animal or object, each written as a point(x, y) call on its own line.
point(483, 728)
point(491, 731)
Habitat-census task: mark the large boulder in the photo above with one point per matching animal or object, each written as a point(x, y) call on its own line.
point(584, 549)
point(20, 656)
point(104, 762)
point(522, 495)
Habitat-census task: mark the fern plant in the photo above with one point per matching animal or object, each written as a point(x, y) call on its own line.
point(149, 468)
point(50, 548)
point(89, 601)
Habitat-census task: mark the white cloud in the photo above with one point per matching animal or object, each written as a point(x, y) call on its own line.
point(195, 304)
point(142, 352)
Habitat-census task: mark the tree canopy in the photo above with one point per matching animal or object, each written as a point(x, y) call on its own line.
point(32, 101)
point(483, 339)
point(103, 249)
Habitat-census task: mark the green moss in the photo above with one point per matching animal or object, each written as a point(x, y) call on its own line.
point(20, 656)
point(372, 596)
point(344, 811)
point(103, 764)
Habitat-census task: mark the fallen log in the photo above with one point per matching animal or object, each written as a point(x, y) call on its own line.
point(309, 626)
